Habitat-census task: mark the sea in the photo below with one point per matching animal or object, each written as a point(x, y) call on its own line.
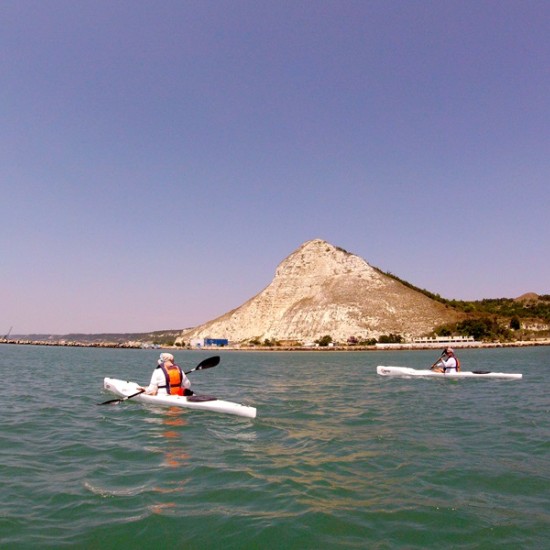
point(338, 457)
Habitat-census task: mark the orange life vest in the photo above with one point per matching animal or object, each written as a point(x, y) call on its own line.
point(174, 377)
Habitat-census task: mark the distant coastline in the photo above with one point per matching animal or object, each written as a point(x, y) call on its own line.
point(376, 347)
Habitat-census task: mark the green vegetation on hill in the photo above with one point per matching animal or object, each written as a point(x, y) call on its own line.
point(536, 308)
point(508, 307)
point(481, 328)
point(491, 318)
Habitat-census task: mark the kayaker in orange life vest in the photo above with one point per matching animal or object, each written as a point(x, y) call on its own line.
point(168, 378)
point(447, 363)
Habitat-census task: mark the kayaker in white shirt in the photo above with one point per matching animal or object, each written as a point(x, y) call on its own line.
point(447, 363)
point(168, 378)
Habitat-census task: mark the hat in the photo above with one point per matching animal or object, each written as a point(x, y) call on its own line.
point(449, 350)
point(166, 357)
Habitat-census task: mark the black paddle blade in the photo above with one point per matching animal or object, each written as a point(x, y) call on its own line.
point(121, 399)
point(208, 363)
point(110, 402)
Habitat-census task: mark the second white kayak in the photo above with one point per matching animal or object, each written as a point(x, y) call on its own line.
point(407, 372)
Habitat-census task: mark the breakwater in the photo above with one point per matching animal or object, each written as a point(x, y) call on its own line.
point(375, 347)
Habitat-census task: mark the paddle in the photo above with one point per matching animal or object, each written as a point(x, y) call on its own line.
point(207, 363)
point(438, 359)
point(121, 399)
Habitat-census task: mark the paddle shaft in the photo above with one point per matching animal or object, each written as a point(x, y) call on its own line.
point(438, 359)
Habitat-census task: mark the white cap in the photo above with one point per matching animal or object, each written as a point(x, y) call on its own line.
point(166, 357)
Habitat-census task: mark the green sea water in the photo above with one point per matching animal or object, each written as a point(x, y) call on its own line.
point(338, 456)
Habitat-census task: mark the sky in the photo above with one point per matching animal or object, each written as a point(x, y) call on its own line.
point(159, 159)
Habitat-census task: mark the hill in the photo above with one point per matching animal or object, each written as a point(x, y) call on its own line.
point(320, 290)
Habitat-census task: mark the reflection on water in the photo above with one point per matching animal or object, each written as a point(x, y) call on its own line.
point(171, 430)
point(163, 508)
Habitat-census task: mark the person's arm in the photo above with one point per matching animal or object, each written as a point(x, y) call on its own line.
point(439, 365)
point(185, 382)
point(156, 381)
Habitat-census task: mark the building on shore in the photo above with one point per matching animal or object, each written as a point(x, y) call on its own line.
point(444, 340)
point(209, 342)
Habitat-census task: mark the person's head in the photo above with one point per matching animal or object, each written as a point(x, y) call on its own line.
point(448, 351)
point(164, 357)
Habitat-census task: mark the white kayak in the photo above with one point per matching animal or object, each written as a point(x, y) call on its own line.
point(406, 372)
point(124, 389)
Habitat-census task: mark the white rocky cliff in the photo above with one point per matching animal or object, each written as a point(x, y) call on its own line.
point(321, 289)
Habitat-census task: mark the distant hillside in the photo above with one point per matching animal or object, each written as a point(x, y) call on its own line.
point(159, 337)
point(528, 305)
point(322, 290)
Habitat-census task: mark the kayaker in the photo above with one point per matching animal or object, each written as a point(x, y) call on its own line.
point(447, 363)
point(168, 378)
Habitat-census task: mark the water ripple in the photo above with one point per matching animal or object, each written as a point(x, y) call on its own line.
point(337, 457)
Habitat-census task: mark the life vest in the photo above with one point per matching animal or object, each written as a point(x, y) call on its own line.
point(174, 377)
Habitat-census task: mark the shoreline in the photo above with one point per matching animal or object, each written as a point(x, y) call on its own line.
point(376, 347)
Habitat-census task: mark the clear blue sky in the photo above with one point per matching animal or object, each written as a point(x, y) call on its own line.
point(158, 159)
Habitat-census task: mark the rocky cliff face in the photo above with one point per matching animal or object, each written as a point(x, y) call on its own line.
point(321, 289)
